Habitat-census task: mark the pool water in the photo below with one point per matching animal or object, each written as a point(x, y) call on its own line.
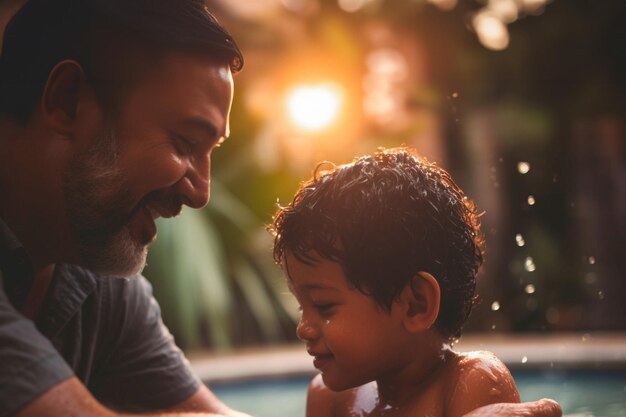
point(588, 393)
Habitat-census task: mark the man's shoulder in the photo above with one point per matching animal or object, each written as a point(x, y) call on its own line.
point(131, 284)
point(110, 296)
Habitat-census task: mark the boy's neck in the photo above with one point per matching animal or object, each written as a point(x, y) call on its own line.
point(426, 362)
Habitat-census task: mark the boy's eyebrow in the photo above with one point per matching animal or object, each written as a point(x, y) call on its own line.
point(315, 286)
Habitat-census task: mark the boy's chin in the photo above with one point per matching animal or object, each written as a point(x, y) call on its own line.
point(336, 385)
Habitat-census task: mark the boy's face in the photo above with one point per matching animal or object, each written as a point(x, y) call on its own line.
point(352, 339)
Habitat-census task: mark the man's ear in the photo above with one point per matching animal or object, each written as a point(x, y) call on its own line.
point(61, 96)
point(420, 300)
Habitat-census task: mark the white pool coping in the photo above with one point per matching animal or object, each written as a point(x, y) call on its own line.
point(594, 350)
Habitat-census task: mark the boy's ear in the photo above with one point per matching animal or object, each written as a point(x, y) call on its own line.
point(61, 96)
point(420, 300)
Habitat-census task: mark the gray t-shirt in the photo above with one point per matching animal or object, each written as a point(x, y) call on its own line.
point(106, 331)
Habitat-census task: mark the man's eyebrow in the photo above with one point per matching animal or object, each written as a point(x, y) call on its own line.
point(205, 125)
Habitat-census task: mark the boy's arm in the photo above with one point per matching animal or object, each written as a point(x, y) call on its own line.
point(482, 379)
point(320, 400)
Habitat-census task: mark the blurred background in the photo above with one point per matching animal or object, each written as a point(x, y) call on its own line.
point(521, 100)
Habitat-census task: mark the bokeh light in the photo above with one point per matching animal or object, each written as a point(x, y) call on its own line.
point(444, 4)
point(491, 31)
point(352, 6)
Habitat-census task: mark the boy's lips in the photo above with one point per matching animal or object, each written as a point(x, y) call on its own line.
point(321, 360)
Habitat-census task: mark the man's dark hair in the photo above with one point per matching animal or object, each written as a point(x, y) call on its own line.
point(109, 38)
point(384, 218)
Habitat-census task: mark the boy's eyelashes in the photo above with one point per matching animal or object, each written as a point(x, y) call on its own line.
point(324, 308)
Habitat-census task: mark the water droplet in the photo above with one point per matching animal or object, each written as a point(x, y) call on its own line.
point(529, 264)
point(455, 95)
point(592, 260)
point(493, 327)
point(530, 289)
point(495, 306)
point(327, 321)
point(601, 295)
point(531, 200)
point(524, 359)
point(586, 337)
point(523, 167)
point(519, 239)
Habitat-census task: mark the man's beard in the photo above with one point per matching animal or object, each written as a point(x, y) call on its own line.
point(99, 208)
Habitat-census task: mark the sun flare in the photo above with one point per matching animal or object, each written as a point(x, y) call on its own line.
point(314, 107)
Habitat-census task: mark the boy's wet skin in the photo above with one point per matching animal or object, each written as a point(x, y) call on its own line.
point(444, 394)
point(375, 363)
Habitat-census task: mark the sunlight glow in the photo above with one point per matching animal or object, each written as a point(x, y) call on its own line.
point(314, 107)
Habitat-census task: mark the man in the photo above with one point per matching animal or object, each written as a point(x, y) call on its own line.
point(109, 112)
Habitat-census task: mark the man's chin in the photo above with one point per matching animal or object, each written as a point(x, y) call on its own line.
point(122, 258)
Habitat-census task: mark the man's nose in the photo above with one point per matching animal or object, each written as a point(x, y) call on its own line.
point(195, 186)
point(307, 330)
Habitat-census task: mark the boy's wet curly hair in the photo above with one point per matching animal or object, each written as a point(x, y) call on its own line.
point(385, 217)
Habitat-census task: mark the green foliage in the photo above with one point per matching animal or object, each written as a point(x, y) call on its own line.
point(214, 287)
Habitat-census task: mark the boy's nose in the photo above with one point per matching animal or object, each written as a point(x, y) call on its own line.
point(306, 331)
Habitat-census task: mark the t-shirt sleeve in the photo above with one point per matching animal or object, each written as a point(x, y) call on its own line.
point(144, 369)
point(29, 364)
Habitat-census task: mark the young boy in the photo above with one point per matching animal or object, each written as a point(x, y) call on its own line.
point(382, 255)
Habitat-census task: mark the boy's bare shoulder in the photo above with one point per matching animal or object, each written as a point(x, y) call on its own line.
point(479, 378)
point(321, 401)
